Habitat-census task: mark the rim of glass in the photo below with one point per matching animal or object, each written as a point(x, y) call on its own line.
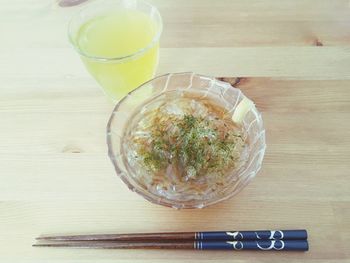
point(151, 197)
point(129, 56)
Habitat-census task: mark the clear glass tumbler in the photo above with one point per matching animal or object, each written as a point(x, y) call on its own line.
point(118, 41)
point(132, 107)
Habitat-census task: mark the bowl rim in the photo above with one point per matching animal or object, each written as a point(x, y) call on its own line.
point(151, 197)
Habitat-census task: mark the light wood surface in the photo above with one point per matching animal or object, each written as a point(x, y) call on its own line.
point(294, 57)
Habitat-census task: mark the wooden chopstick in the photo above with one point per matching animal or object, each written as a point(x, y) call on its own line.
point(124, 237)
point(119, 245)
point(265, 245)
point(188, 236)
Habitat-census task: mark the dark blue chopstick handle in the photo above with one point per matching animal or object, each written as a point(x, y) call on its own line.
point(253, 235)
point(264, 245)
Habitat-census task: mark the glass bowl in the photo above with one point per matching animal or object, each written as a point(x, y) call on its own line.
point(132, 106)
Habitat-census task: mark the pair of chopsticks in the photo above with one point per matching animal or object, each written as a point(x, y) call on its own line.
point(279, 240)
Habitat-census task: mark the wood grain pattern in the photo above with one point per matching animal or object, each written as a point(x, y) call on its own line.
point(293, 60)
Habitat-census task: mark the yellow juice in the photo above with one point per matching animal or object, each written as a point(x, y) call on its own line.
point(123, 42)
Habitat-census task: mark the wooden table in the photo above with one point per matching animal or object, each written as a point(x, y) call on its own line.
point(293, 57)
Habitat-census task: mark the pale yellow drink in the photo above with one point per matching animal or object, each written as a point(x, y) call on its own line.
point(119, 48)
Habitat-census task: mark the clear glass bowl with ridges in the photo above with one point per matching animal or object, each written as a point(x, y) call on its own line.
point(228, 96)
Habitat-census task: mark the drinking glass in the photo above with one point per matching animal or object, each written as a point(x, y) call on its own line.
point(135, 24)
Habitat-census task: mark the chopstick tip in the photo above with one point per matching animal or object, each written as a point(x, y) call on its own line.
point(47, 238)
